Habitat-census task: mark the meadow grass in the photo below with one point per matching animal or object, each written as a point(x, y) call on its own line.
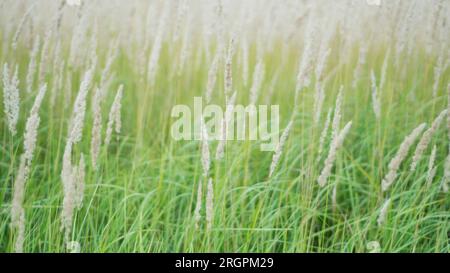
point(143, 196)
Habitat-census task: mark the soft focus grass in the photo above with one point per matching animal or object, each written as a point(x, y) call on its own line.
point(143, 196)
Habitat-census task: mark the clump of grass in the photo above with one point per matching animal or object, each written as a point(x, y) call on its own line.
point(128, 186)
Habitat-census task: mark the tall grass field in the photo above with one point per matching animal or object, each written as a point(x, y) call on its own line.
point(89, 162)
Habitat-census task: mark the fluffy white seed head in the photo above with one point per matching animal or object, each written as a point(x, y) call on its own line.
point(30, 137)
point(114, 119)
point(319, 98)
point(79, 109)
point(32, 64)
point(206, 162)
point(96, 137)
point(323, 135)
point(220, 150)
point(58, 77)
point(397, 160)
point(426, 138)
point(375, 99)
point(11, 98)
point(336, 143)
point(68, 190)
point(228, 69)
point(73, 176)
point(43, 67)
point(91, 56)
point(31, 127)
point(279, 148)
point(209, 205)
point(21, 24)
point(337, 114)
point(18, 245)
point(78, 180)
point(212, 78)
point(74, 246)
point(321, 63)
point(198, 206)
point(78, 41)
point(73, 187)
point(334, 197)
point(438, 69)
point(117, 112)
point(17, 211)
point(383, 212)
point(431, 168)
point(106, 72)
point(306, 61)
point(373, 247)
